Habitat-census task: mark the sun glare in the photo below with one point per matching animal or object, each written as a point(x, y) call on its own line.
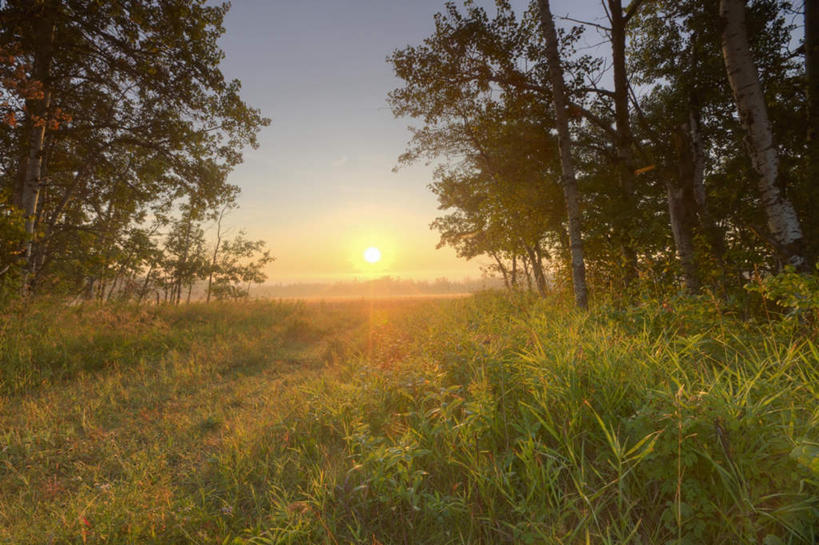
point(372, 255)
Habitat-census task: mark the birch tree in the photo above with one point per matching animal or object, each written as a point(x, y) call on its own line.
point(568, 179)
point(783, 223)
point(39, 29)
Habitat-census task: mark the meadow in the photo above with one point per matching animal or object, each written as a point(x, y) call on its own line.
point(498, 418)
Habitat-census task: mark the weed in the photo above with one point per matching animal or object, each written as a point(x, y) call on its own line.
point(494, 419)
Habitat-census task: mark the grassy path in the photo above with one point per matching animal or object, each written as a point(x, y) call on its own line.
point(146, 447)
point(494, 419)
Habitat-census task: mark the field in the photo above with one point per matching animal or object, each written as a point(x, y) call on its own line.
point(488, 419)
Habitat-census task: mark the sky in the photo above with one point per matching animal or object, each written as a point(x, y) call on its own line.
point(320, 188)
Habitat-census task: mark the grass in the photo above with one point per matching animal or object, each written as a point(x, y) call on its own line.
point(492, 419)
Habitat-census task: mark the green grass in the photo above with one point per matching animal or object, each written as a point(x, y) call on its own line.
point(492, 419)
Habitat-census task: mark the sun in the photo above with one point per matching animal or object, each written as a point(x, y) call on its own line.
point(372, 255)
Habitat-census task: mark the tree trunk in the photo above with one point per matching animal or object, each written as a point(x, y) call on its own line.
point(183, 262)
point(569, 182)
point(682, 207)
point(753, 113)
point(716, 241)
point(527, 270)
point(537, 270)
point(624, 140)
point(36, 120)
point(812, 69)
point(215, 251)
point(144, 290)
point(514, 272)
point(113, 287)
point(88, 293)
point(502, 269)
point(683, 238)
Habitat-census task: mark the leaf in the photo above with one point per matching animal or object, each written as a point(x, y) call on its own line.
point(807, 454)
point(645, 169)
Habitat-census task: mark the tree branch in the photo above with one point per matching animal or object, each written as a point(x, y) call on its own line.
point(631, 10)
point(589, 23)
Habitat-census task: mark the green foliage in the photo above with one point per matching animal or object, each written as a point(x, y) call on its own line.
point(481, 420)
point(239, 262)
point(797, 293)
point(478, 89)
point(140, 118)
point(11, 233)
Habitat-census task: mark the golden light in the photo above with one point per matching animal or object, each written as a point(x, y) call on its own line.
point(372, 255)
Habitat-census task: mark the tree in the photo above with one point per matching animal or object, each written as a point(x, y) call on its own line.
point(152, 114)
point(39, 34)
point(783, 223)
point(619, 20)
point(241, 262)
point(812, 72)
point(490, 115)
point(568, 180)
point(677, 43)
point(185, 255)
point(216, 248)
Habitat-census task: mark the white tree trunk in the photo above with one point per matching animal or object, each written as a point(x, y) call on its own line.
point(753, 112)
point(37, 119)
point(569, 181)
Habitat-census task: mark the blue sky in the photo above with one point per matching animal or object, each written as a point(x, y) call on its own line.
point(320, 188)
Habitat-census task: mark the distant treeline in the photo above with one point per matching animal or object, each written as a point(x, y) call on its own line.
point(386, 286)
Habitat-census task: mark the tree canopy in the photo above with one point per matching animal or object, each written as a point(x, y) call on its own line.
point(674, 191)
point(116, 114)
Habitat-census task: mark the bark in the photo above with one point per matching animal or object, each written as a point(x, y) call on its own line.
point(36, 121)
point(183, 262)
point(624, 138)
point(502, 269)
point(783, 223)
point(144, 290)
point(682, 208)
point(569, 181)
point(514, 271)
point(716, 241)
point(812, 69)
point(215, 251)
point(537, 270)
point(88, 294)
point(683, 237)
point(697, 151)
point(527, 272)
point(113, 287)
point(543, 286)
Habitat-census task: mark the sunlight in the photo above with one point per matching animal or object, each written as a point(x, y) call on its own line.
point(372, 255)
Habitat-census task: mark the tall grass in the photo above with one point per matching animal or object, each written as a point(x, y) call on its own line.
point(494, 419)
